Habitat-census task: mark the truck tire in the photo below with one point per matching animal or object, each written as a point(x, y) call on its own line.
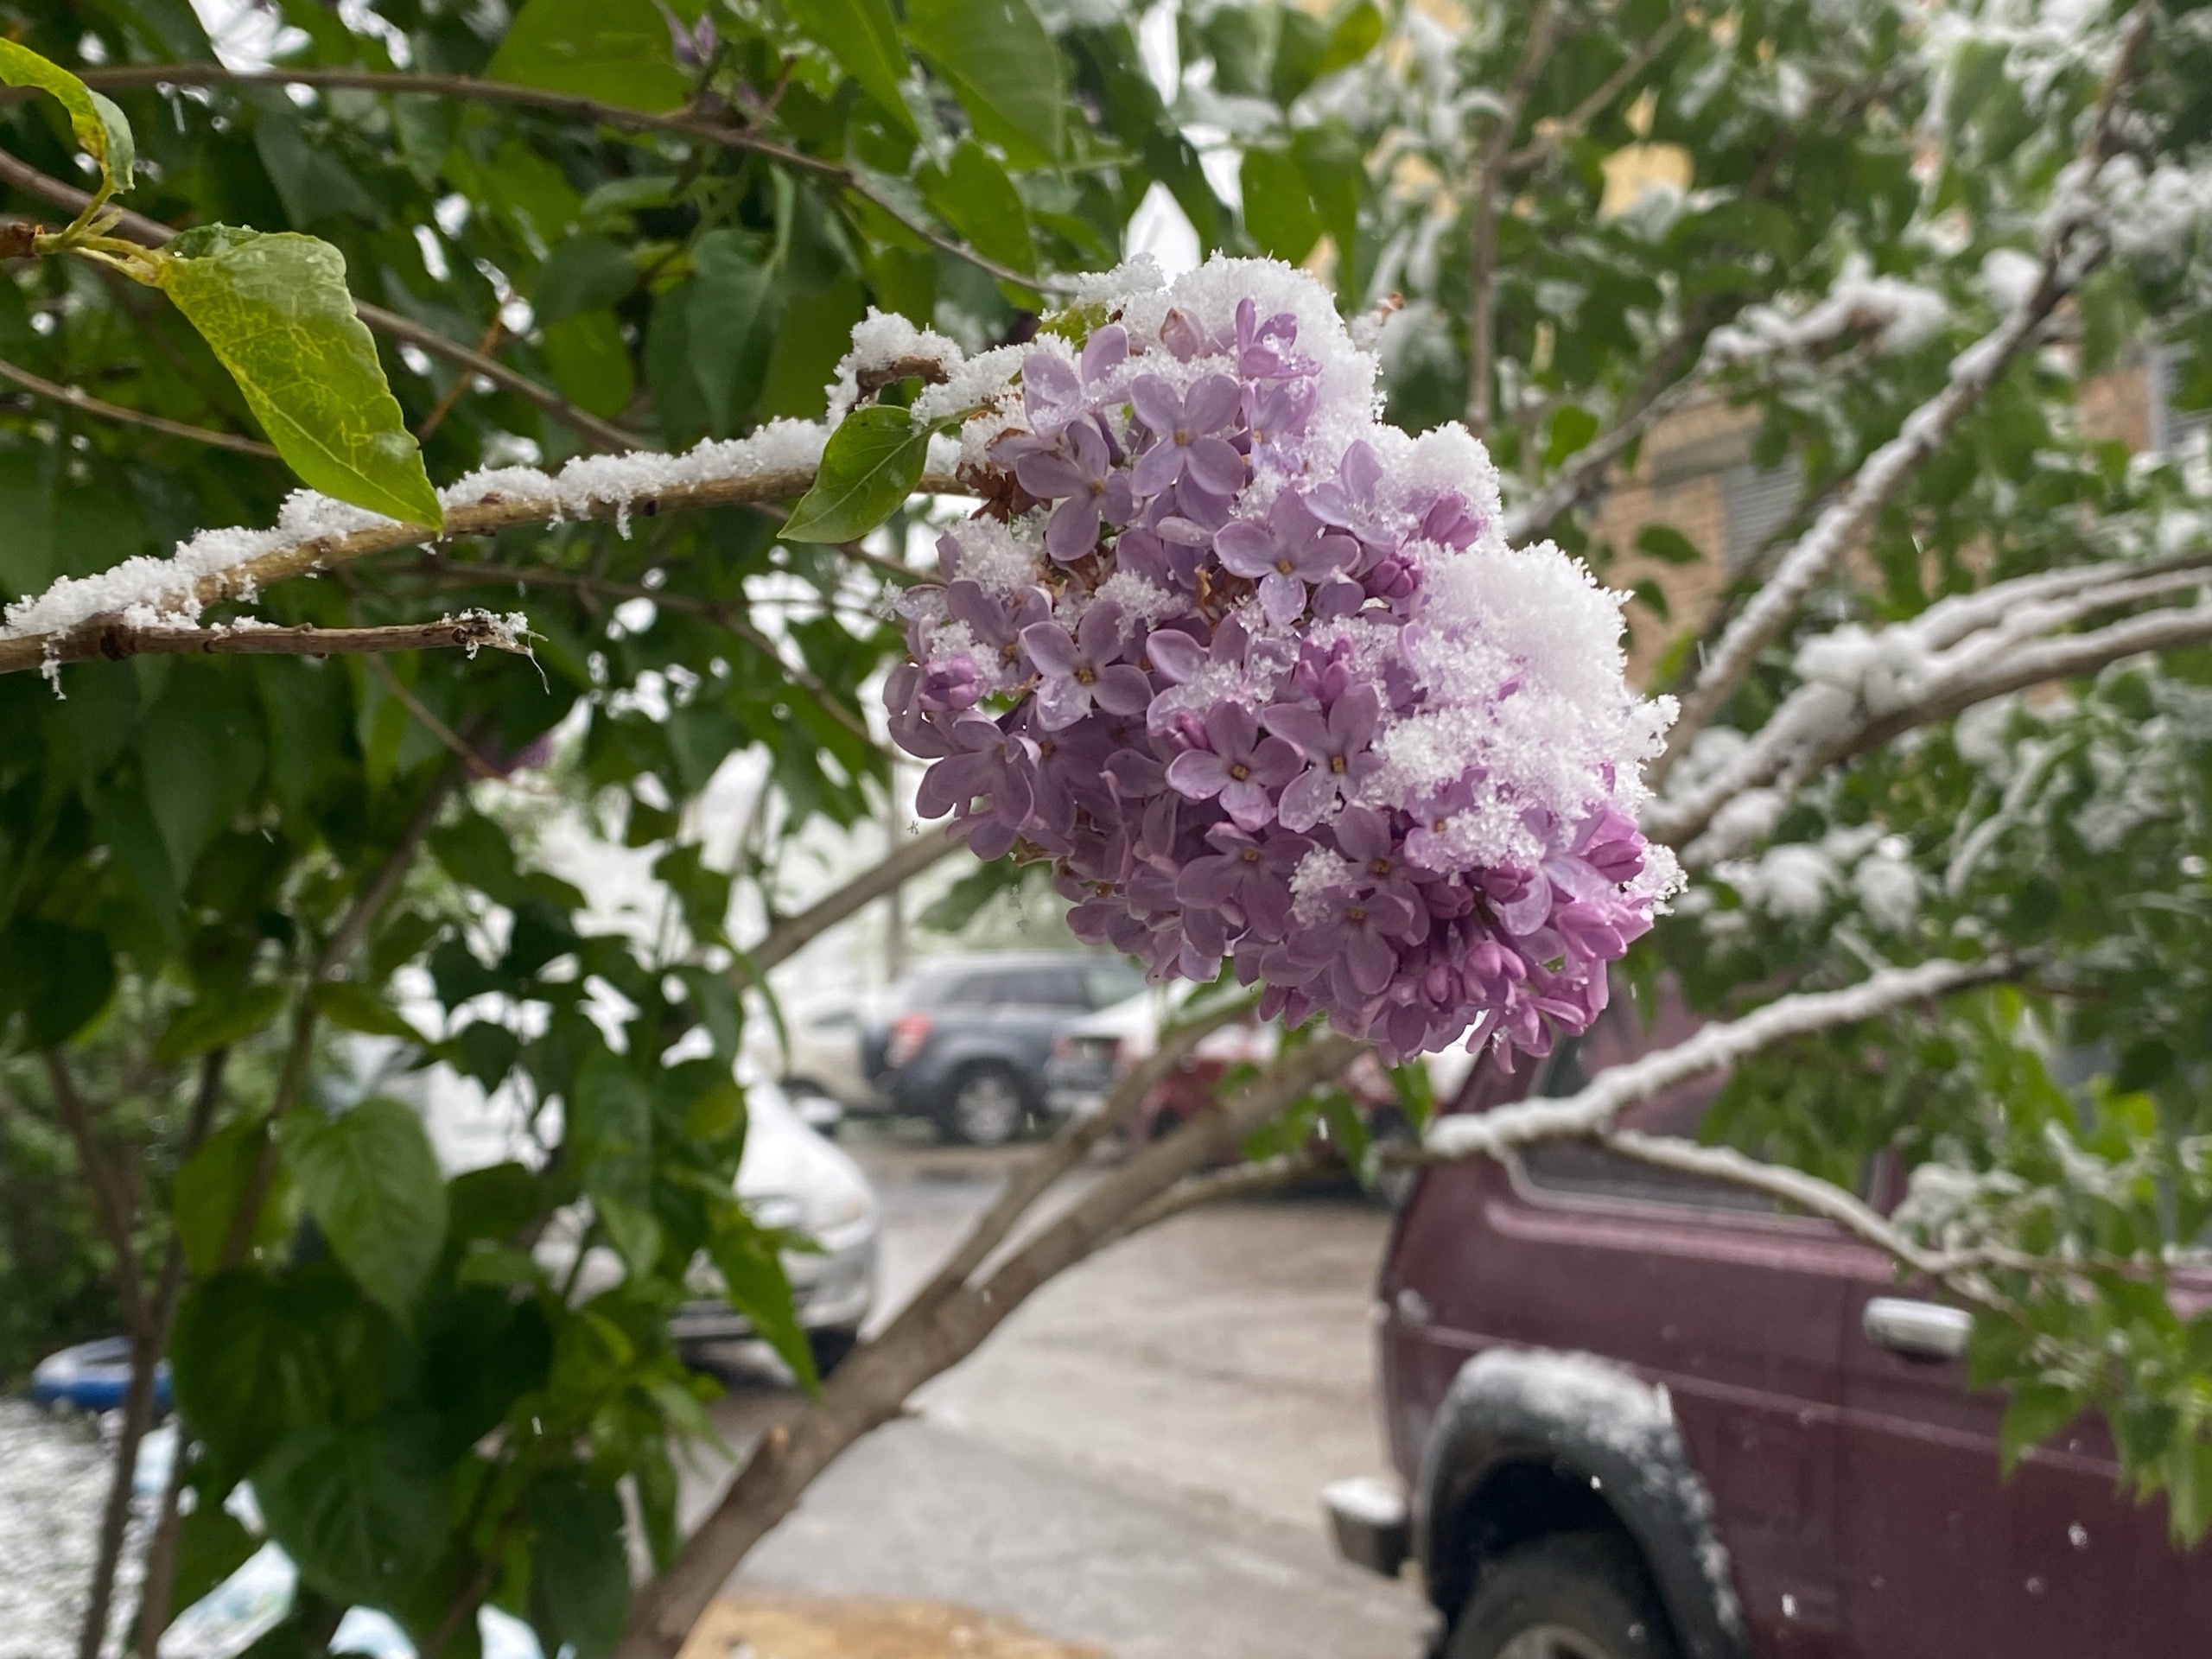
point(986, 1106)
point(1571, 1595)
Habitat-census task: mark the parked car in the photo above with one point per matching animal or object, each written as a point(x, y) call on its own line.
point(92, 1377)
point(1640, 1415)
point(824, 1056)
point(968, 1045)
point(790, 1176)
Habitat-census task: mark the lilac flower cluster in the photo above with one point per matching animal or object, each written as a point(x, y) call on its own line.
point(1259, 676)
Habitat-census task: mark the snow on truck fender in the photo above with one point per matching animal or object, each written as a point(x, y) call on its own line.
point(1589, 1418)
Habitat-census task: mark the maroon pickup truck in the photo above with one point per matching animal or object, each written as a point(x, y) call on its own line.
point(1636, 1415)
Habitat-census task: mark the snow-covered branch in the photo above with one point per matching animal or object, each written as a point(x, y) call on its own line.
point(1861, 689)
point(314, 534)
point(2075, 245)
point(1716, 1048)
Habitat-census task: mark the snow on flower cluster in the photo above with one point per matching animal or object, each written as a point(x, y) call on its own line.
point(1259, 674)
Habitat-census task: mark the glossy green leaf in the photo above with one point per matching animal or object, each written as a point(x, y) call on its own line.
point(371, 1180)
point(209, 1188)
point(211, 1545)
point(362, 1508)
point(1278, 210)
point(1666, 544)
point(2036, 1412)
point(975, 196)
point(617, 52)
point(1572, 426)
point(275, 311)
point(100, 128)
point(734, 306)
point(585, 273)
point(580, 1594)
point(863, 36)
point(872, 463)
point(216, 1019)
point(356, 1008)
point(753, 1281)
point(248, 1359)
point(610, 1139)
point(1002, 66)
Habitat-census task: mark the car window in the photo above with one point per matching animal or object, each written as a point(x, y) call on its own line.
point(1576, 1167)
point(1109, 982)
point(966, 991)
point(1047, 987)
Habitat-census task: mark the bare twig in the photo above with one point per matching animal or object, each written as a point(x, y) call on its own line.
point(114, 639)
point(153, 233)
point(1481, 236)
point(446, 404)
point(111, 1203)
point(794, 933)
point(1238, 1181)
point(77, 397)
point(1551, 135)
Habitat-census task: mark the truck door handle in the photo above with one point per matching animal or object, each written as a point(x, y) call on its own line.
point(1920, 1330)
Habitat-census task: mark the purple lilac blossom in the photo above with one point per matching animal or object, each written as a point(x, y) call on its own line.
point(1261, 678)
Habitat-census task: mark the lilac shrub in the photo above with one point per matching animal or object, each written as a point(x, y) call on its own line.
point(1261, 678)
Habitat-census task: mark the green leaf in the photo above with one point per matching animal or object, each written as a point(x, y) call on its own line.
point(361, 1508)
point(99, 126)
point(753, 1281)
point(870, 465)
point(590, 362)
point(216, 1019)
point(70, 976)
point(616, 52)
point(1278, 210)
point(248, 1358)
point(211, 1545)
point(356, 1008)
point(1002, 66)
point(275, 311)
point(580, 1589)
point(585, 273)
point(731, 316)
point(1666, 544)
point(2036, 1412)
point(209, 1188)
point(863, 36)
point(609, 1141)
point(371, 1182)
point(1573, 427)
point(975, 196)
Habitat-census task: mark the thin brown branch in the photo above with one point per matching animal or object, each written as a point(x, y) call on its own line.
point(1238, 1181)
point(794, 933)
point(446, 404)
point(114, 640)
point(153, 233)
point(76, 397)
point(1482, 238)
point(472, 763)
point(1551, 135)
point(121, 77)
point(112, 1208)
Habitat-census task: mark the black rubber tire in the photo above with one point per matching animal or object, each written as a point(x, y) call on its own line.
point(1005, 1083)
point(831, 1349)
point(1571, 1595)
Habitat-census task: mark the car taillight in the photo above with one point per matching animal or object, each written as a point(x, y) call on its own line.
point(908, 1032)
point(1072, 1045)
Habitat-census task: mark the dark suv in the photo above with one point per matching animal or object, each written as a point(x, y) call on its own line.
point(968, 1045)
point(1636, 1415)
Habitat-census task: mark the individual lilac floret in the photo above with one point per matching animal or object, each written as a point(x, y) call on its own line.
point(1183, 429)
point(1075, 671)
point(1337, 750)
point(1095, 493)
point(1266, 687)
point(1241, 769)
point(1291, 548)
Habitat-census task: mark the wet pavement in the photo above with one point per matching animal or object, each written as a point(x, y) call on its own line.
point(1134, 1459)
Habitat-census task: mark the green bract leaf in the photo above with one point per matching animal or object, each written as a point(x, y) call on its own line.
point(1003, 66)
point(870, 465)
point(276, 310)
point(361, 1508)
point(99, 126)
point(370, 1181)
point(616, 52)
point(863, 36)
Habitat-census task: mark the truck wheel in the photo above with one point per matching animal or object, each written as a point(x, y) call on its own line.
point(1573, 1595)
point(985, 1108)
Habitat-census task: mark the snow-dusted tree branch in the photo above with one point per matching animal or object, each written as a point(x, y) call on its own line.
point(2075, 245)
point(471, 631)
point(1593, 1109)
